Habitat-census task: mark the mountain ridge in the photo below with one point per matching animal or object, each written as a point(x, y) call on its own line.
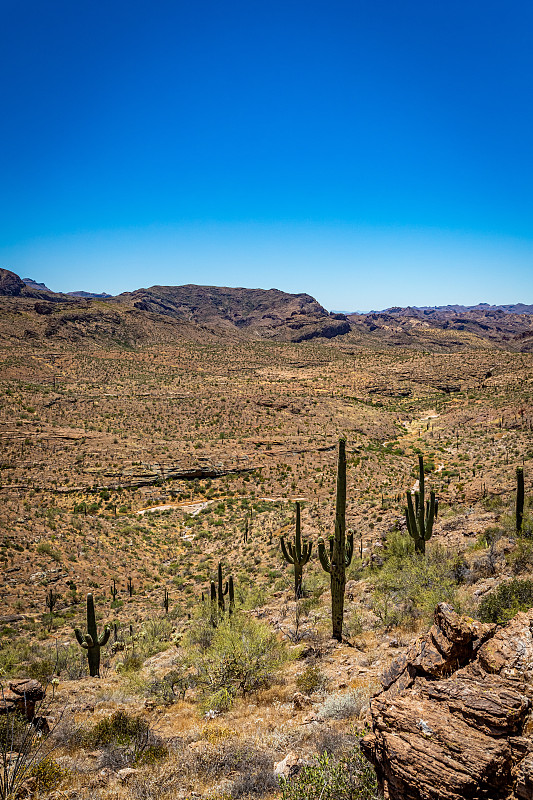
point(166, 314)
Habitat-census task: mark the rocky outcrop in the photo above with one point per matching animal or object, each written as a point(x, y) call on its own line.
point(22, 696)
point(10, 284)
point(452, 719)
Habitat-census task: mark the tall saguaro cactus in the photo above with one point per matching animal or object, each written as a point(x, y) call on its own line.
point(231, 595)
point(217, 592)
point(519, 498)
point(421, 516)
point(221, 590)
point(297, 554)
point(340, 549)
point(90, 641)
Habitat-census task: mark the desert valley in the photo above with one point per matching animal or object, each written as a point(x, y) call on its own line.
point(157, 443)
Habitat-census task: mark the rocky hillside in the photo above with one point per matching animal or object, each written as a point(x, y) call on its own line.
point(162, 314)
point(268, 313)
point(446, 328)
point(167, 314)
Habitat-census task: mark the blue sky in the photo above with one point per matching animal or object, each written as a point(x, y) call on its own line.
point(368, 153)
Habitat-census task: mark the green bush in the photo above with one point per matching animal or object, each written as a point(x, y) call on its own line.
point(45, 548)
point(521, 557)
point(408, 588)
point(399, 545)
point(312, 679)
point(241, 657)
point(129, 739)
point(508, 599)
point(48, 774)
point(349, 777)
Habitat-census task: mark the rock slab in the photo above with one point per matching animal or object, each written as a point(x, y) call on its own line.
point(451, 720)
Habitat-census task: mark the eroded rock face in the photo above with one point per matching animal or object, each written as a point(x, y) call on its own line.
point(450, 722)
point(21, 696)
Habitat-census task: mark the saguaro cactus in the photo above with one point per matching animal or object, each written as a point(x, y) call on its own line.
point(297, 554)
point(90, 641)
point(213, 603)
point(221, 590)
point(421, 516)
point(519, 498)
point(231, 595)
point(114, 590)
point(340, 549)
point(51, 600)
point(166, 600)
point(217, 592)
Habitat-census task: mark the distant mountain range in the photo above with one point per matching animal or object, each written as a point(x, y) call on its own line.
point(41, 287)
point(165, 314)
point(517, 308)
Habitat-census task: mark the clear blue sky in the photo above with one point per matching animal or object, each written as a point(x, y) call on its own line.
point(369, 153)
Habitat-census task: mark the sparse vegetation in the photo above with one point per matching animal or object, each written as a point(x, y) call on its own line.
point(133, 495)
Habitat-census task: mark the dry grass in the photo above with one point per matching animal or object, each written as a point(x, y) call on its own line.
point(277, 409)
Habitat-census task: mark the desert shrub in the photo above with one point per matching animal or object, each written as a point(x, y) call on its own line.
point(249, 766)
point(48, 774)
point(42, 669)
point(349, 777)
point(408, 588)
point(155, 636)
point(521, 558)
point(312, 679)
point(508, 599)
point(45, 548)
point(130, 663)
point(242, 657)
point(124, 739)
point(399, 545)
point(173, 685)
point(343, 705)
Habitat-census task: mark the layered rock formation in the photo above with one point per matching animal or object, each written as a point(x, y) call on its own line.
point(22, 697)
point(452, 721)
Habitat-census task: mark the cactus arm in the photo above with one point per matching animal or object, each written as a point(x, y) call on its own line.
point(306, 554)
point(349, 549)
point(286, 554)
point(323, 556)
point(410, 517)
point(430, 517)
point(80, 638)
point(104, 638)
